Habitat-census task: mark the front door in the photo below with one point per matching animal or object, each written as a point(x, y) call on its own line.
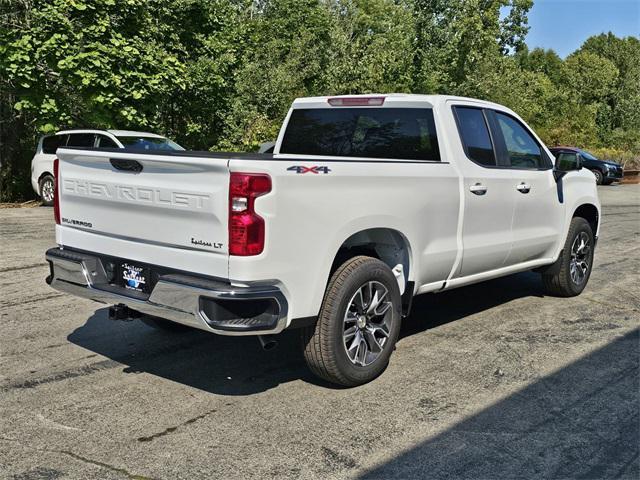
point(539, 211)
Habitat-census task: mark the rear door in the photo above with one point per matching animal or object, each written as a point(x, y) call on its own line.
point(43, 161)
point(539, 211)
point(174, 202)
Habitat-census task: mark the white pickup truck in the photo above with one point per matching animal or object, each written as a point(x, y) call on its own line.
point(365, 202)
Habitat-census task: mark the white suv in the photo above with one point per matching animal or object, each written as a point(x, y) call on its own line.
point(42, 179)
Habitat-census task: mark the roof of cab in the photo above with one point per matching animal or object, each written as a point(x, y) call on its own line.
point(392, 98)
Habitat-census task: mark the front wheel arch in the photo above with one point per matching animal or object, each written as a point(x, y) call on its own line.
point(590, 213)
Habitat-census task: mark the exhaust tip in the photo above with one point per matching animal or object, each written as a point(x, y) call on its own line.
point(267, 343)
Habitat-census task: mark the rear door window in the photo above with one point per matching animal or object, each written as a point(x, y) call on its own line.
point(394, 133)
point(52, 143)
point(81, 140)
point(522, 148)
point(474, 133)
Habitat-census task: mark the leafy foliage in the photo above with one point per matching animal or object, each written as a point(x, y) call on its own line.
point(222, 73)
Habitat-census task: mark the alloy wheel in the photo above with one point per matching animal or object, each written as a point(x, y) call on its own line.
point(580, 258)
point(47, 190)
point(367, 323)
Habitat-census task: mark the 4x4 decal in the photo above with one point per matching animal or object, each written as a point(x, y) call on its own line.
point(301, 169)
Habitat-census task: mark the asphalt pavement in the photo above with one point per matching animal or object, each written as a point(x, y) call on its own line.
point(494, 380)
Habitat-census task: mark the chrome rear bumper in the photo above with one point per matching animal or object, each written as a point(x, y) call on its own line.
point(211, 305)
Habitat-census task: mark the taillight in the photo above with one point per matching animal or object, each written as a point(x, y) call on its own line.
point(356, 101)
point(56, 190)
point(246, 227)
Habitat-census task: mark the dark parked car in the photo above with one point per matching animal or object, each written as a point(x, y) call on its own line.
point(606, 171)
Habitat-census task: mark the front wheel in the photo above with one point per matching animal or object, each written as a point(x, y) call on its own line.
point(47, 190)
point(358, 325)
point(576, 262)
point(599, 176)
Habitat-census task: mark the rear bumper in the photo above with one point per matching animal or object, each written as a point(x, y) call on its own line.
point(208, 304)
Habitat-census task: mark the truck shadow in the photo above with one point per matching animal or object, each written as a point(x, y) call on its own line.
point(579, 422)
point(239, 366)
point(430, 311)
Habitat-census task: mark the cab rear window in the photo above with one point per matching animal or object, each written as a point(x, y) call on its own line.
point(393, 133)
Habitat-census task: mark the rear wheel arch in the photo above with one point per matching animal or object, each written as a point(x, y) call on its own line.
point(44, 174)
point(386, 244)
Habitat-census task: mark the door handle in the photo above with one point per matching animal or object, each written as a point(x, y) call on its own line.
point(524, 188)
point(478, 189)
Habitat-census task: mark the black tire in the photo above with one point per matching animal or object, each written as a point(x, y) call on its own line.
point(607, 182)
point(47, 189)
point(324, 343)
point(599, 176)
point(563, 283)
point(164, 325)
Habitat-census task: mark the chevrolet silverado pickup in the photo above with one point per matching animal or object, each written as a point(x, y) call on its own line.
point(365, 202)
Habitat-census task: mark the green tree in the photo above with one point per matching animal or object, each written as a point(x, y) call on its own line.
point(209, 50)
point(369, 44)
point(625, 100)
point(16, 137)
point(454, 37)
point(590, 76)
point(542, 61)
point(89, 63)
point(222, 73)
point(287, 50)
point(139, 64)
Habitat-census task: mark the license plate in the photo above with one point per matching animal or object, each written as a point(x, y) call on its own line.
point(134, 277)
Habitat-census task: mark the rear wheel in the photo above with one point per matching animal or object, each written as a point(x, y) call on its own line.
point(576, 262)
point(358, 324)
point(47, 190)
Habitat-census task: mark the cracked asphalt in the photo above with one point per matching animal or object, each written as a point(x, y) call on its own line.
point(495, 380)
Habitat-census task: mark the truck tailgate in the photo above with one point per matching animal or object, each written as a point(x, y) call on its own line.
point(163, 201)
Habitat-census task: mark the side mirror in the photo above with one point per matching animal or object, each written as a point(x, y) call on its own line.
point(566, 162)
